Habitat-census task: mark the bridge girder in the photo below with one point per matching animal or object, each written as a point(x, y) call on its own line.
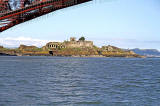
point(11, 18)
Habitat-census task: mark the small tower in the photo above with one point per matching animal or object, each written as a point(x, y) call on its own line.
point(72, 39)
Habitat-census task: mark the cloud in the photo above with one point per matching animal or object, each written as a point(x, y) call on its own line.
point(15, 42)
point(12, 42)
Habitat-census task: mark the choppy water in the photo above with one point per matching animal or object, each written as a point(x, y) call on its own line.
point(51, 81)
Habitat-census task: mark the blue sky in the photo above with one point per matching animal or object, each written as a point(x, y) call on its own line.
point(122, 23)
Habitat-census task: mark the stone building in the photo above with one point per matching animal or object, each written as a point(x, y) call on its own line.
point(55, 45)
point(73, 43)
point(1, 47)
point(107, 48)
point(110, 48)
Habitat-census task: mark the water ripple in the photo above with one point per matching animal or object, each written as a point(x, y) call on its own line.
point(67, 81)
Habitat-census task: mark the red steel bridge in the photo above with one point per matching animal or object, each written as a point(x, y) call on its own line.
point(13, 12)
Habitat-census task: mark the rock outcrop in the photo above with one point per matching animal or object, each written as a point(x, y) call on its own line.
point(26, 48)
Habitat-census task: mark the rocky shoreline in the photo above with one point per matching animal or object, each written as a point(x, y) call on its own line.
point(68, 52)
point(4, 54)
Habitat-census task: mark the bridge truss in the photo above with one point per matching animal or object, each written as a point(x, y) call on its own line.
point(34, 9)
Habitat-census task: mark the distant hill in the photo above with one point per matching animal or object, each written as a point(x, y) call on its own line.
point(146, 52)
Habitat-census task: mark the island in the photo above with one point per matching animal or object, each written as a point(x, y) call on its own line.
point(73, 48)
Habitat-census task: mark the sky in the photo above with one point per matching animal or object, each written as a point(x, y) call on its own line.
point(121, 23)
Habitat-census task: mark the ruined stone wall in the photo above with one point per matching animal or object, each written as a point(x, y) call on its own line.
point(68, 44)
point(110, 48)
point(54, 45)
point(79, 44)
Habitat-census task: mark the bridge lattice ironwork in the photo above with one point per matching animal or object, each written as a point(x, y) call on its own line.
point(16, 12)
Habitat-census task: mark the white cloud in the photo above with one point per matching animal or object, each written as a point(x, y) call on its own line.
point(12, 42)
point(15, 42)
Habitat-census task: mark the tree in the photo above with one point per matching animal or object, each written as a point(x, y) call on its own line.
point(82, 38)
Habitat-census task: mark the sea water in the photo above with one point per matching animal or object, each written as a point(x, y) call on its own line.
point(68, 81)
